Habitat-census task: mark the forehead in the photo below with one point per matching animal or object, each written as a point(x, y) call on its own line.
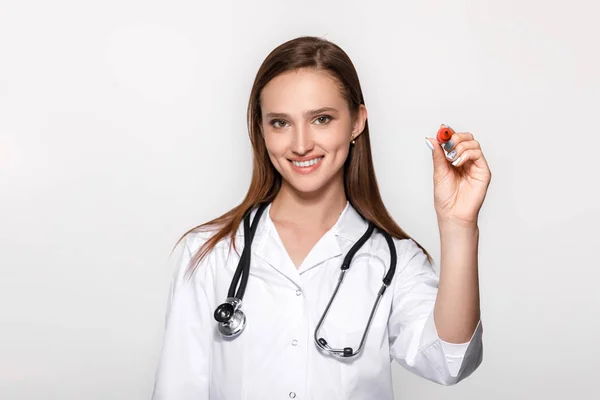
point(298, 90)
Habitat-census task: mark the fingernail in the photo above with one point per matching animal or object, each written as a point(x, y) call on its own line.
point(456, 161)
point(448, 145)
point(429, 144)
point(452, 154)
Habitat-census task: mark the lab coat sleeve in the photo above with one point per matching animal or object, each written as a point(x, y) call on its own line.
point(183, 367)
point(414, 341)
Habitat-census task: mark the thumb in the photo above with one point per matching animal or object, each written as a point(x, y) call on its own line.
point(440, 163)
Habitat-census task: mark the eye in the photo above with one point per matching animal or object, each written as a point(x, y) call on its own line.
point(327, 117)
point(275, 122)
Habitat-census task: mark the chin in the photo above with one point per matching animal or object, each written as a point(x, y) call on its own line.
point(307, 185)
point(307, 188)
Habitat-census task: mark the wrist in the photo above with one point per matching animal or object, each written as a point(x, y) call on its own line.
point(457, 226)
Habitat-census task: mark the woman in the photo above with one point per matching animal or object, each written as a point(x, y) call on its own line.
point(314, 194)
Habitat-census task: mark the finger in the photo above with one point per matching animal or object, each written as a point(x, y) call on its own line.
point(474, 155)
point(440, 162)
point(461, 147)
point(456, 139)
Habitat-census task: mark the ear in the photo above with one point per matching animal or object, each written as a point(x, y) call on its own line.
point(358, 125)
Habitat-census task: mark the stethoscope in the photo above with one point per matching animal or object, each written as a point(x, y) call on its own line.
point(232, 320)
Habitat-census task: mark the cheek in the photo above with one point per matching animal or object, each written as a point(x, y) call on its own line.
point(276, 148)
point(338, 136)
point(273, 144)
point(336, 142)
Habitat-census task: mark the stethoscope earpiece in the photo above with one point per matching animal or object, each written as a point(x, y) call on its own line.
point(345, 352)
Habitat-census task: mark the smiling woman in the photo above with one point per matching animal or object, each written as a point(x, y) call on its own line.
point(316, 211)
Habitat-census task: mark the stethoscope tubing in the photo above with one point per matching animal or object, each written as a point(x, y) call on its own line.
point(348, 351)
point(232, 319)
point(243, 267)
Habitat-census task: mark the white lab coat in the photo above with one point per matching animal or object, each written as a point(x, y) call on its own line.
point(275, 357)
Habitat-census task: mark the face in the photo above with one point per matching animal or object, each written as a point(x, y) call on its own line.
point(308, 128)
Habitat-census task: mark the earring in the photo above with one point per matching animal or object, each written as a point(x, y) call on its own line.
point(353, 141)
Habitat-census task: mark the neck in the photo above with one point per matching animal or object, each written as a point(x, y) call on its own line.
point(316, 210)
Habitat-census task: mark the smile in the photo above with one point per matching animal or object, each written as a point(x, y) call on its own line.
point(304, 164)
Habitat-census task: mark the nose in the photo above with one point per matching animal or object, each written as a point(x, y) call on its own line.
point(302, 141)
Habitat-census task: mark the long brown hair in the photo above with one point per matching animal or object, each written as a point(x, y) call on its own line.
point(359, 175)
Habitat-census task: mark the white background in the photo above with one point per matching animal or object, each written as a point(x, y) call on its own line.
point(122, 125)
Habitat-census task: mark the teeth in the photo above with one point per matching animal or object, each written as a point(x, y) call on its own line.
point(307, 163)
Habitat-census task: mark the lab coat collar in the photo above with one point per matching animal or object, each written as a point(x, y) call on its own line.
point(268, 246)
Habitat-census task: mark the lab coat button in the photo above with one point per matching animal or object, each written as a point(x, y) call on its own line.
point(298, 292)
point(294, 342)
point(292, 395)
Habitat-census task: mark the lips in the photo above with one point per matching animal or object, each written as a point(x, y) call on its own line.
point(308, 166)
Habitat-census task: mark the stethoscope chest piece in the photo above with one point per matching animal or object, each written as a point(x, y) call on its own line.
point(231, 319)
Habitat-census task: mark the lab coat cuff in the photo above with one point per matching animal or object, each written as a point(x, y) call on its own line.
point(456, 350)
point(454, 353)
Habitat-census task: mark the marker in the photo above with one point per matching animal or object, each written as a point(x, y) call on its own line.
point(444, 134)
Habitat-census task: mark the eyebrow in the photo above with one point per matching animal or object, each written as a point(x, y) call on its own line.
point(306, 113)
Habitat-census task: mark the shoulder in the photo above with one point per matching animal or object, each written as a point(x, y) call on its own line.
point(408, 252)
point(195, 250)
point(190, 245)
point(406, 248)
point(195, 239)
